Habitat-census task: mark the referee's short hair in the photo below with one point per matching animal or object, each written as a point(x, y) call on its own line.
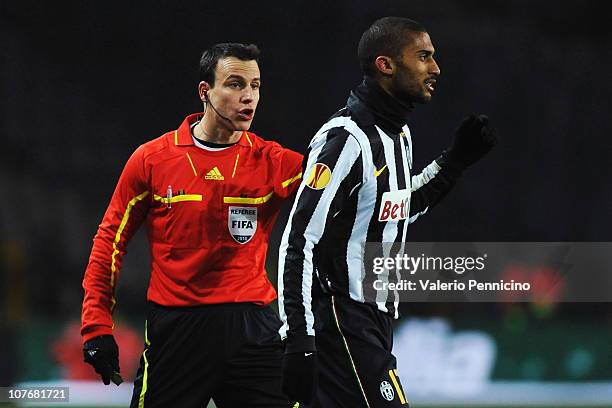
point(212, 55)
point(386, 36)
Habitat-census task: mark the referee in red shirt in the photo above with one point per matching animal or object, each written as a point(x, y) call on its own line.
point(209, 193)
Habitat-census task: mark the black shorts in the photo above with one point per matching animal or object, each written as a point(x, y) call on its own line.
point(228, 352)
point(355, 366)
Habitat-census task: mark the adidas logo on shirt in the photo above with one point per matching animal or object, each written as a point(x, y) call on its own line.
point(214, 174)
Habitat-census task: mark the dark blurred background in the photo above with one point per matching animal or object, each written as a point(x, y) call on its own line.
point(84, 83)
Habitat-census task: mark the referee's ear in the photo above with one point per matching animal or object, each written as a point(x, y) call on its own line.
point(203, 88)
point(384, 65)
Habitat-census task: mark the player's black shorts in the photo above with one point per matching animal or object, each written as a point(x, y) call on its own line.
point(355, 366)
point(228, 352)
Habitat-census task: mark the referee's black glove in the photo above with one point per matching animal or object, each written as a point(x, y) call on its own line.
point(103, 354)
point(473, 139)
point(298, 376)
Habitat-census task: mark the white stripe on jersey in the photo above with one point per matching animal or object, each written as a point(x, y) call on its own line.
point(366, 201)
point(406, 131)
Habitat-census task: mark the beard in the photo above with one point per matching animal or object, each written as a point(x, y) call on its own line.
point(409, 90)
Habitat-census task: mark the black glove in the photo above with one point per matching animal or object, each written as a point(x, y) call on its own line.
point(299, 372)
point(473, 139)
point(103, 354)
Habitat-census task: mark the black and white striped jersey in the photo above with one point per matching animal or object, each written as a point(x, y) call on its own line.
point(358, 187)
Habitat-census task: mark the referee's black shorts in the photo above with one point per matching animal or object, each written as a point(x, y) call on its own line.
point(228, 352)
point(355, 366)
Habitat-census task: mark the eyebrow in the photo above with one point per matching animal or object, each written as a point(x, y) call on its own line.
point(426, 52)
point(234, 76)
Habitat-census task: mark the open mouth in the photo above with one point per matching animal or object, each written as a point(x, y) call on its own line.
point(429, 84)
point(246, 114)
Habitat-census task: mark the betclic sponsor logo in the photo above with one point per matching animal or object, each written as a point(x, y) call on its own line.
point(394, 206)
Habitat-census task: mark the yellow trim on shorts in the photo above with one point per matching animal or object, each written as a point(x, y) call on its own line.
point(333, 304)
point(400, 394)
point(145, 376)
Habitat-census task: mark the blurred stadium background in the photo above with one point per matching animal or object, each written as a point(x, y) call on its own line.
point(84, 83)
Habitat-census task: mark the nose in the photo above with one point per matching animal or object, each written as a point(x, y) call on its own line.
point(434, 68)
point(248, 95)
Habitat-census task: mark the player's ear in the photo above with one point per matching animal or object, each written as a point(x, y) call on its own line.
point(203, 88)
point(384, 65)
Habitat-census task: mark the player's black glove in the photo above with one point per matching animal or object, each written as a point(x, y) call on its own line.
point(299, 372)
point(103, 354)
point(473, 139)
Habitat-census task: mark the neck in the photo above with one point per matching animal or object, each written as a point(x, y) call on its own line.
point(215, 129)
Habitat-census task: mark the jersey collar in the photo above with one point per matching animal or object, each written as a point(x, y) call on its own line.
point(182, 135)
point(372, 105)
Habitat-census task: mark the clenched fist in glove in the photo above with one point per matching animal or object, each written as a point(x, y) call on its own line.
point(103, 354)
point(299, 376)
point(473, 139)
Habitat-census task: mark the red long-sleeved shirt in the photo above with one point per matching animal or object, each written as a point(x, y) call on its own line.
point(208, 216)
